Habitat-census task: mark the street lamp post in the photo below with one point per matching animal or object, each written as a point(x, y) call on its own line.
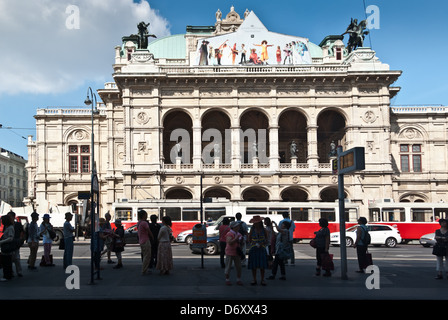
point(88, 102)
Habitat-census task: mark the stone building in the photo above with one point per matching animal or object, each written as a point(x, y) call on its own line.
point(13, 178)
point(189, 107)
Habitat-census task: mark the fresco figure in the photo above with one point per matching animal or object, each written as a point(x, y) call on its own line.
point(203, 60)
point(287, 52)
point(254, 57)
point(243, 54)
point(264, 50)
point(279, 55)
point(234, 53)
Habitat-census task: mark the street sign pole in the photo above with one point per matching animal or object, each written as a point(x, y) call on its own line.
point(343, 246)
point(347, 162)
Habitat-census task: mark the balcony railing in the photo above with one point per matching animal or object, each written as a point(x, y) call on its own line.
point(419, 109)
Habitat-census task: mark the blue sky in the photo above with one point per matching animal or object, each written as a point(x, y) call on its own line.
point(46, 64)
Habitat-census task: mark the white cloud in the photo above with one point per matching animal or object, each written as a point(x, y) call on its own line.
point(40, 54)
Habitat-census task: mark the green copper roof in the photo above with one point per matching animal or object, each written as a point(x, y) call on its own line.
point(171, 47)
point(315, 50)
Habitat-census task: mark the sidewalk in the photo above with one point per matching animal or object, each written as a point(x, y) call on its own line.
point(190, 282)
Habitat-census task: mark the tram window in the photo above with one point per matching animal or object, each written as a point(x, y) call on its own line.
point(257, 211)
point(393, 215)
point(421, 215)
point(214, 214)
point(150, 212)
point(300, 214)
point(190, 214)
point(440, 213)
point(374, 215)
point(278, 211)
point(173, 213)
point(328, 214)
point(124, 214)
point(351, 215)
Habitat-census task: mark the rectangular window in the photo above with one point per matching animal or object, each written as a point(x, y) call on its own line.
point(338, 53)
point(411, 158)
point(73, 164)
point(417, 163)
point(85, 164)
point(404, 163)
point(73, 149)
point(79, 160)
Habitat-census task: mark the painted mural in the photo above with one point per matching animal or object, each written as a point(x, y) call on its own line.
point(252, 44)
point(238, 52)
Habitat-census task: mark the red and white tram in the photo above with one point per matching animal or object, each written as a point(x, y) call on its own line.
point(186, 213)
point(412, 219)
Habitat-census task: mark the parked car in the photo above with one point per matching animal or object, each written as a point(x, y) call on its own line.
point(427, 240)
point(380, 234)
point(185, 236)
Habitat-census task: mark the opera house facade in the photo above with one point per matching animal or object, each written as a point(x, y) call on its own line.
point(237, 111)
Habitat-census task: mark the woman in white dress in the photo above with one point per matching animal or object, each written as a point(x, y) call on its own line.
point(165, 254)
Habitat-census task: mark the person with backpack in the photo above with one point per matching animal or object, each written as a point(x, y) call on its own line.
point(243, 231)
point(32, 238)
point(361, 243)
point(19, 239)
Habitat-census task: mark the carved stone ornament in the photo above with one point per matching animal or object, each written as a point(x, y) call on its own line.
point(369, 117)
point(256, 179)
point(217, 179)
point(142, 57)
point(295, 179)
point(142, 146)
point(79, 135)
point(179, 180)
point(142, 117)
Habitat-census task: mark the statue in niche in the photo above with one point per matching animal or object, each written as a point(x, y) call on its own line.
point(293, 149)
point(178, 150)
point(216, 150)
point(357, 34)
point(255, 149)
point(333, 150)
point(143, 35)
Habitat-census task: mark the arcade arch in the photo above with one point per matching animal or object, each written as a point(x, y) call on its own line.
point(254, 125)
point(294, 194)
point(177, 125)
point(178, 193)
point(255, 194)
point(215, 124)
point(331, 127)
point(292, 128)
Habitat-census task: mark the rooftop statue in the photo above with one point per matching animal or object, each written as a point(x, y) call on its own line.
point(357, 34)
point(143, 35)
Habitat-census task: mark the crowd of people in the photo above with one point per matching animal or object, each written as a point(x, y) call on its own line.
point(154, 240)
point(266, 245)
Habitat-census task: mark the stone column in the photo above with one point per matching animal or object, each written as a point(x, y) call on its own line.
point(313, 157)
point(274, 157)
point(197, 146)
point(236, 150)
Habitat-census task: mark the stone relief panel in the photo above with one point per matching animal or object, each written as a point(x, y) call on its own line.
point(410, 134)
